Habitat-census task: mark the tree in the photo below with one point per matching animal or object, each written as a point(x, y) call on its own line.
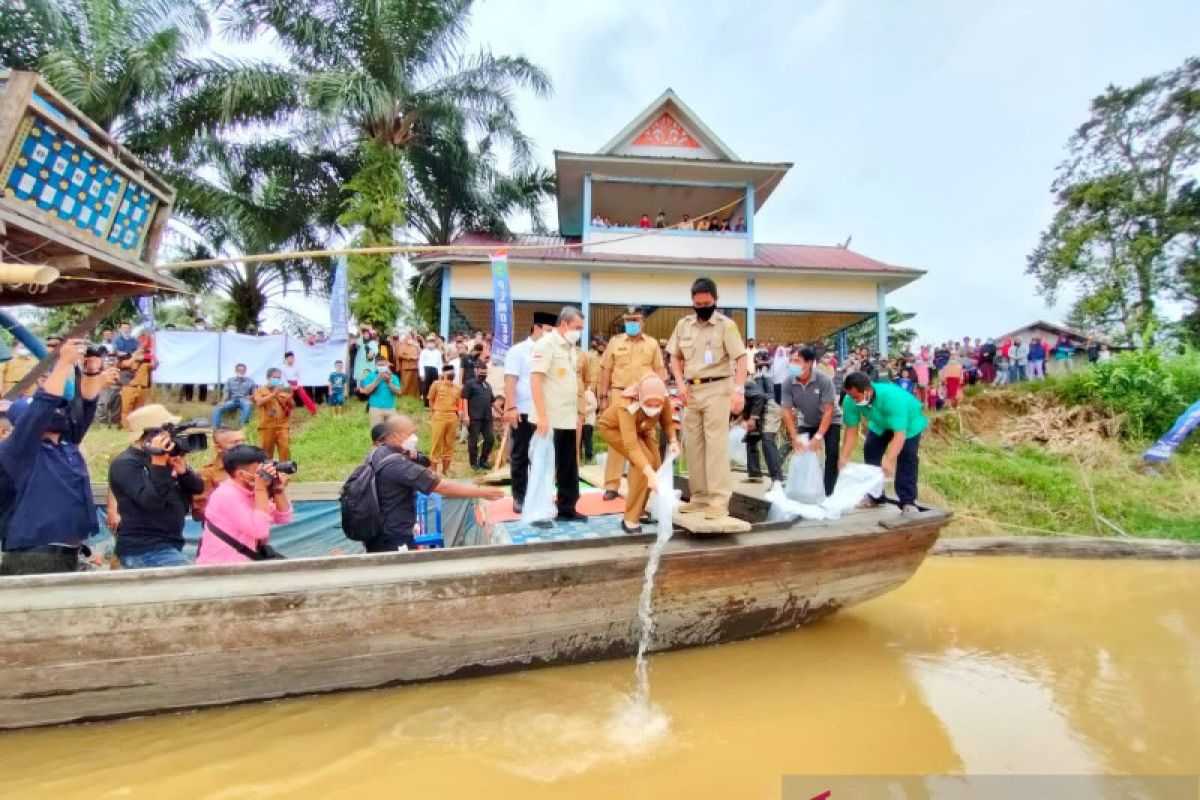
point(265, 198)
point(25, 33)
point(866, 333)
point(1126, 218)
point(385, 71)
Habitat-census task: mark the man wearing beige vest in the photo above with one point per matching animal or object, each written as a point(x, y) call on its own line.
point(708, 361)
point(626, 360)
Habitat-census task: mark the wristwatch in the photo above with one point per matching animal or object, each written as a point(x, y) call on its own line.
point(817, 437)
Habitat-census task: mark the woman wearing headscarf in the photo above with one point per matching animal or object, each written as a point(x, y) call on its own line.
point(628, 429)
point(780, 366)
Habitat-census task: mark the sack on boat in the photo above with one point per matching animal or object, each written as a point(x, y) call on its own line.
point(784, 509)
point(539, 497)
point(737, 446)
point(362, 520)
point(855, 482)
point(805, 478)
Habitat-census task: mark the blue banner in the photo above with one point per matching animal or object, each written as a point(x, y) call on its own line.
point(1164, 447)
point(339, 304)
point(502, 312)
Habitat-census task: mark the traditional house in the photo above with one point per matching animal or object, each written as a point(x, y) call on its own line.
point(662, 203)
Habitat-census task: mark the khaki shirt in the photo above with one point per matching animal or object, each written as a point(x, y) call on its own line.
point(444, 397)
point(274, 407)
point(212, 474)
point(587, 372)
point(629, 358)
point(408, 353)
point(692, 338)
point(555, 357)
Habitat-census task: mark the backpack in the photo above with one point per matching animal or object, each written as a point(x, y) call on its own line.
point(362, 519)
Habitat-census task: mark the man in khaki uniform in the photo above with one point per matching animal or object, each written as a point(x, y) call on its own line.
point(274, 402)
point(554, 384)
point(136, 393)
point(443, 402)
point(586, 374)
point(410, 380)
point(708, 361)
point(626, 360)
point(213, 473)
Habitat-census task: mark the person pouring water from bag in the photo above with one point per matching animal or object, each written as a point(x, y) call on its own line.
point(895, 421)
point(629, 427)
point(810, 412)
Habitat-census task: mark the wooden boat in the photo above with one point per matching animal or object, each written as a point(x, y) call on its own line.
point(102, 645)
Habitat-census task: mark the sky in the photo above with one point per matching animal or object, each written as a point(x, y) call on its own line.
point(929, 131)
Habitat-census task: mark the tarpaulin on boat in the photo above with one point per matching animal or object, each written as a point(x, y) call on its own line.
point(316, 530)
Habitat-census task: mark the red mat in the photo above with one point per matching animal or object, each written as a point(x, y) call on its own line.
point(591, 503)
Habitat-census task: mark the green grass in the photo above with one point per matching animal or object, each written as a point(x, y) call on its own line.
point(995, 490)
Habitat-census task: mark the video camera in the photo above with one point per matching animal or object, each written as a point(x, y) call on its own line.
point(184, 438)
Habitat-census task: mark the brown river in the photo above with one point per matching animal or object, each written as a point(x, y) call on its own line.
point(981, 666)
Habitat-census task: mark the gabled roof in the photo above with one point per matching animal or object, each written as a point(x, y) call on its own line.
point(668, 102)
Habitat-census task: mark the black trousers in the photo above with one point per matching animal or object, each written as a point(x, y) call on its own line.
point(429, 379)
point(588, 432)
point(190, 390)
point(566, 469)
point(474, 428)
point(755, 440)
point(833, 449)
point(519, 457)
point(37, 562)
point(907, 463)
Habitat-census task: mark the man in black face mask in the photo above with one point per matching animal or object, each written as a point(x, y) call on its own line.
point(44, 529)
point(708, 361)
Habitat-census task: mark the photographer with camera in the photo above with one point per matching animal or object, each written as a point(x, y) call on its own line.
point(51, 510)
point(241, 511)
point(153, 487)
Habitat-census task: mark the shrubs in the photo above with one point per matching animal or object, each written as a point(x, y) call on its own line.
point(1148, 390)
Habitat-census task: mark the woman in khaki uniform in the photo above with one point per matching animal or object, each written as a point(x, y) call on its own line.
point(628, 428)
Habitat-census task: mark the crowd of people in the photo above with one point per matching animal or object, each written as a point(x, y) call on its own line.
point(642, 396)
point(708, 222)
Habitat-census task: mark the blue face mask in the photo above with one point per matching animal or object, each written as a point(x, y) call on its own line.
point(633, 328)
point(69, 390)
point(276, 381)
point(794, 370)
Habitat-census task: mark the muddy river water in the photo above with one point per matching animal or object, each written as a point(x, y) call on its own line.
point(984, 666)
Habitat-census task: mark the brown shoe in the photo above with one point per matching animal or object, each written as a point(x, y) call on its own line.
point(712, 512)
point(691, 507)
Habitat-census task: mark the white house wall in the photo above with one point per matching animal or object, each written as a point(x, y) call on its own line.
point(474, 281)
point(661, 289)
point(674, 245)
point(810, 293)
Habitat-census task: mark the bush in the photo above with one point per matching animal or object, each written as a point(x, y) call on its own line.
point(1150, 391)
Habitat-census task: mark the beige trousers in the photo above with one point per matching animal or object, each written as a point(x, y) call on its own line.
point(614, 462)
point(706, 442)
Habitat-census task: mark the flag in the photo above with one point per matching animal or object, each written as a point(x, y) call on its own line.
point(339, 304)
point(502, 313)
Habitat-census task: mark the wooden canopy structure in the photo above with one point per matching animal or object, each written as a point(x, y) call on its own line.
point(74, 199)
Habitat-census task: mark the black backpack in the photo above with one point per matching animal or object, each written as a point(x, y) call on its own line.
point(362, 519)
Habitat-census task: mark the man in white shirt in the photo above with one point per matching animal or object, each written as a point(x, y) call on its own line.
point(429, 364)
point(555, 387)
point(518, 403)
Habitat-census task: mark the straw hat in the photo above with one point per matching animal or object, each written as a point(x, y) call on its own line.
point(147, 417)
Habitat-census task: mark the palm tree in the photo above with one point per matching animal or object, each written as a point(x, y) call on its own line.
point(265, 198)
point(386, 72)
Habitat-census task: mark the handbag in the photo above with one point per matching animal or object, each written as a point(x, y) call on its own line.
point(265, 552)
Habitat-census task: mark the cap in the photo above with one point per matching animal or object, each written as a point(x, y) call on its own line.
point(635, 311)
point(447, 368)
point(16, 409)
point(147, 417)
point(544, 318)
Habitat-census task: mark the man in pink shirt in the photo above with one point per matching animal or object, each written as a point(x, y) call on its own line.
point(241, 510)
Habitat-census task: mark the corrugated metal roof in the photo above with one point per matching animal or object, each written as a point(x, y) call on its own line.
point(766, 256)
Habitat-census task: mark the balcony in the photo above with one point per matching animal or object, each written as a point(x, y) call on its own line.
point(666, 242)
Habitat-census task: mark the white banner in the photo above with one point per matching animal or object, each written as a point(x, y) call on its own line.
point(210, 356)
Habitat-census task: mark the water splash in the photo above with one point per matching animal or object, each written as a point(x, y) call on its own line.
point(664, 508)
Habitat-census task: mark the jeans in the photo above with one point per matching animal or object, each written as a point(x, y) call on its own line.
point(244, 404)
point(164, 555)
point(1037, 370)
point(908, 462)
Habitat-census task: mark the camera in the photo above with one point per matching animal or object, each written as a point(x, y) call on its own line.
point(184, 438)
point(281, 467)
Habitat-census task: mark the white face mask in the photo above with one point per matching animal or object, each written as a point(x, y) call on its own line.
point(410, 444)
point(652, 412)
point(864, 403)
point(633, 407)
point(573, 336)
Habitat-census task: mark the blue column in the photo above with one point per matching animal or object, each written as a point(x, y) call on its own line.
point(585, 305)
point(444, 326)
point(751, 310)
point(881, 319)
point(843, 346)
point(749, 203)
point(587, 206)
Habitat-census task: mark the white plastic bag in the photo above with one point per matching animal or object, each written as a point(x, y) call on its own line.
point(737, 446)
point(805, 478)
point(855, 482)
point(784, 509)
point(665, 498)
point(539, 496)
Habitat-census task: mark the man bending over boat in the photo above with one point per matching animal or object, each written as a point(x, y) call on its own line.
point(400, 473)
point(894, 425)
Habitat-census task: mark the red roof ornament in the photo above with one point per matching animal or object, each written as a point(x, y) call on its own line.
point(665, 132)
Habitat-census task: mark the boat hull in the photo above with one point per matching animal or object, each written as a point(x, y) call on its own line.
point(108, 645)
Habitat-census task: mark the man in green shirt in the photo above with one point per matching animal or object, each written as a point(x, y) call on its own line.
point(895, 421)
